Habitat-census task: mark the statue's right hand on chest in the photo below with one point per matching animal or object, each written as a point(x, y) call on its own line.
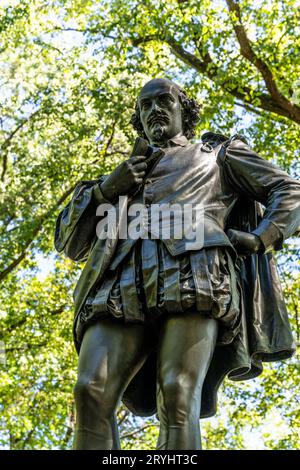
point(126, 177)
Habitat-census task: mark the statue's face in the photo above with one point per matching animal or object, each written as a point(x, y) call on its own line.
point(160, 111)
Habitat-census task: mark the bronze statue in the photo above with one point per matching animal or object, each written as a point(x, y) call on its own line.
point(159, 324)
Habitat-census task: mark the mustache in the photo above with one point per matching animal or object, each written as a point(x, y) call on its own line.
point(158, 117)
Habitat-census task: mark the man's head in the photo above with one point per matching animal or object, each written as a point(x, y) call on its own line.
point(163, 111)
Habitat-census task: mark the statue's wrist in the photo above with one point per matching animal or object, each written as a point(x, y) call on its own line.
point(259, 244)
point(109, 192)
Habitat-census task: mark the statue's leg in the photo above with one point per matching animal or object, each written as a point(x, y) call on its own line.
point(111, 353)
point(186, 346)
point(116, 445)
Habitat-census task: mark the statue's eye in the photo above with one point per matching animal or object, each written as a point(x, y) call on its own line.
point(165, 99)
point(145, 104)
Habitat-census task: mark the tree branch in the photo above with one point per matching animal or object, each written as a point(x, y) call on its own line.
point(123, 417)
point(79, 30)
point(133, 433)
point(249, 54)
point(5, 145)
point(35, 232)
point(44, 217)
point(207, 67)
point(69, 431)
point(23, 320)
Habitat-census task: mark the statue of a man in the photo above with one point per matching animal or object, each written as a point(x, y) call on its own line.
point(159, 321)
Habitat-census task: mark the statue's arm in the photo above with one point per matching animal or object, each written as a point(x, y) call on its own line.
point(76, 224)
point(263, 181)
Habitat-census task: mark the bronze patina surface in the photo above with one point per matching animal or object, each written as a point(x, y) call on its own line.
point(159, 325)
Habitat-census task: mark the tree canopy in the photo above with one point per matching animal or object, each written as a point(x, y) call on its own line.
point(70, 74)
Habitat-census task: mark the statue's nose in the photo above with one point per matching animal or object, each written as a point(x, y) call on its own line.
point(155, 106)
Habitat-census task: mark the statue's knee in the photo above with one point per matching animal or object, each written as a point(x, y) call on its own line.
point(180, 401)
point(84, 390)
point(90, 393)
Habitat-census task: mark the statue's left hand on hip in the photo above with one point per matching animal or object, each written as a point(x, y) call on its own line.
point(245, 243)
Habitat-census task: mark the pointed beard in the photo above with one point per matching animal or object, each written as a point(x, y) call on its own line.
point(158, 130)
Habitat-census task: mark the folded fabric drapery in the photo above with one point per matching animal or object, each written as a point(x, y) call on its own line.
point(151, 282)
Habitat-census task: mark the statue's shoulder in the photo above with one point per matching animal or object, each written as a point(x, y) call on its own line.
point(214, 139)
point(219, 143)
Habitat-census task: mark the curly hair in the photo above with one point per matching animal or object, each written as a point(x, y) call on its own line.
point(190, 115)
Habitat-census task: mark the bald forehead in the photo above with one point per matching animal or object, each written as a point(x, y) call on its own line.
point(157, 87)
